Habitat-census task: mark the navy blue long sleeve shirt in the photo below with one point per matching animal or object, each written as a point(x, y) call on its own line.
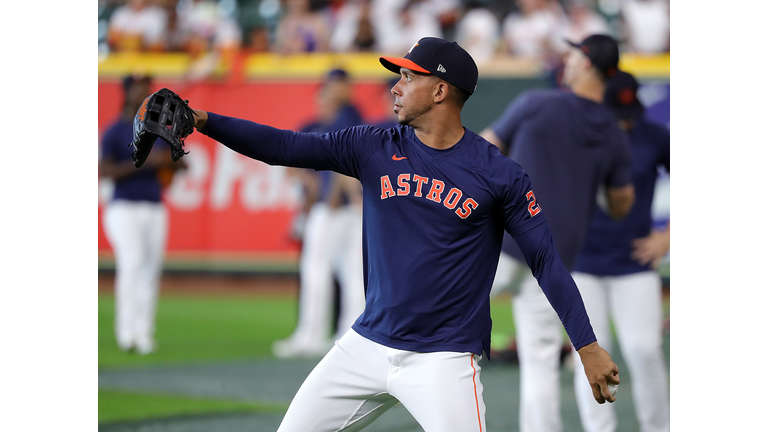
point(433, 222)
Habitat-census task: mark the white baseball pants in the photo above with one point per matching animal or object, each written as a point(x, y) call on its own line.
point(634, 304)
point(333, 244)
point(509, 274)
point(539, 337)
point(358, 380)
point(137, 232)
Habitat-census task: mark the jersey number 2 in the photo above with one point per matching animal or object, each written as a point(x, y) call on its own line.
point(533, 208)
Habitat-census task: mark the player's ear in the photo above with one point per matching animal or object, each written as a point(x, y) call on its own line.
point(441, 91)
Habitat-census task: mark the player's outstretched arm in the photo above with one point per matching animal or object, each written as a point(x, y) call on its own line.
point(338, 151)
point(600, 370)
point(557, 284)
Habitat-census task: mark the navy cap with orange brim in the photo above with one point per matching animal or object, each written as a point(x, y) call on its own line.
point(435, 56)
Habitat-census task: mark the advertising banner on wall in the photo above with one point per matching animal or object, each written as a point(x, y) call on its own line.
point(225, 206)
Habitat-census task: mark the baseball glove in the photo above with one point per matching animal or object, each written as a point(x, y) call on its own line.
point(165, 115)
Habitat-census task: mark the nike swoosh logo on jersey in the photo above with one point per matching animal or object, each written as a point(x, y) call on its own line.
point(395, 158)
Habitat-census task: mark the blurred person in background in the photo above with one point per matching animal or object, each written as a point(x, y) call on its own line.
point(303, 28)
point(582, 22)
point(400, 22)
point(528, 31)
point(202, 27)
point(208, 32)
point(616, 273)
point(258, 40)
point(331, 234)
point(353, 27)
point(646, 25)
point(136, 221)
point(570, 146)
point(478, 31)
point(138, 25)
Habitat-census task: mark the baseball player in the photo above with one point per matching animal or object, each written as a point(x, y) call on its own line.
point(436, 199)
point(135, 222)
point(615, 273)
point(332, 236)
point(570, 146)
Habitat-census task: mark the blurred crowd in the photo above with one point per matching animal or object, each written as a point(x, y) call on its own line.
point(487, 29)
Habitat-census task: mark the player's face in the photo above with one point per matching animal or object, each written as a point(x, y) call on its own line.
point(138, 91)
point(575, 63)
point(413, 96)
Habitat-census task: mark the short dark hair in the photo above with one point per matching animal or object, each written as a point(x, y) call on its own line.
point(458, 95)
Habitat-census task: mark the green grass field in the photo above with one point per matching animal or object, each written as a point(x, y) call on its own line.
point(122, 406)
point(202, 328)
point(209, 328)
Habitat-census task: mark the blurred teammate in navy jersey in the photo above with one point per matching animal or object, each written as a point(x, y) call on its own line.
point(570, 146)
point(136, 221)
point(331, 232)
point(616, 273)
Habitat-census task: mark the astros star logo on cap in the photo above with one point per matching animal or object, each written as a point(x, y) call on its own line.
point(438, 56)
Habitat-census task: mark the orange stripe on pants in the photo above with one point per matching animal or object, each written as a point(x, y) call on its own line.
point(477, 402)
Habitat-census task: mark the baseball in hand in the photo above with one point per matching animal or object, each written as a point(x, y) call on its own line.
point(613, 388)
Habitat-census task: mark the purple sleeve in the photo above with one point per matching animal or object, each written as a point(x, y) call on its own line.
point(505, 127)
point(556, 282)
point(342, 151)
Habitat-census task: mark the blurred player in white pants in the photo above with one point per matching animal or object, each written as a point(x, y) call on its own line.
point(331, 237)
point(135, 222)
point(137, 233)
point(570, 146)
point(616, 275)
point(332, 246)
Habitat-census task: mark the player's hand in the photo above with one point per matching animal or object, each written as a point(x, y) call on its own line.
point(600, 370)
point(652, 249)
point(200, 119)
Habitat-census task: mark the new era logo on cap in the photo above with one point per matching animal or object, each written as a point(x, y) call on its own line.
point(436, 55)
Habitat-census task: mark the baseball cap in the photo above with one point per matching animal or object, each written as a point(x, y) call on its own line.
point(129, 80)
point(602, 51)
point(446, 60)
point(336, 74)
point(621, 96)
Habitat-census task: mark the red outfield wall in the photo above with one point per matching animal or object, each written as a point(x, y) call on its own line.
point(226, 205)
